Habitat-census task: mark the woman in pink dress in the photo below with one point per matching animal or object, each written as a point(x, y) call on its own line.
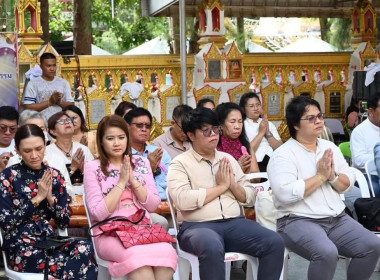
point(118, 184)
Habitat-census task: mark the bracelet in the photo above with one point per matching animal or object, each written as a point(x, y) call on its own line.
point(116, 185)
point(335, 179)
point(320, 177)
point(270, 135)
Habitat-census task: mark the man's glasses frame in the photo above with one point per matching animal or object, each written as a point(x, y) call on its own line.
point(141, 125)
point(4, 128)
point(207, 132)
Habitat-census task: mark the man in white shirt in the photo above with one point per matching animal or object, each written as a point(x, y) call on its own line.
point(8, 127)
point(307, 175)
point(48, 94)
point(364, 138)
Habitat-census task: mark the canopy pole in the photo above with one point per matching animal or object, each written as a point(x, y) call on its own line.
point(183, 53)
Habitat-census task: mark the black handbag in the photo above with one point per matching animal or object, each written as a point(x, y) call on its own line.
point(368, 211)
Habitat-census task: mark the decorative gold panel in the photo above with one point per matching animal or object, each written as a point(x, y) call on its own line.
point(210, 5)
point(368, 53)
point(235, 93)
point(283, 131)
point(169, 99)
point(207, 92)
point(142, 101)
point(334, 100)
point(273, 101)
point(305, 87)
point(156, 130)
point(24, 55)
point(98, 105)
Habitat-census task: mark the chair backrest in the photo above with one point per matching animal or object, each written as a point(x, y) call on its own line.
point(263, 186)
point(362, 182)
point(172, 211)
point(335, 126)
point(89, 226)
point(371, 169)
point(345, 149)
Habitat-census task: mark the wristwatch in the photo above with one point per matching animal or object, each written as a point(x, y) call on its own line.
point(71, 172)
point(157, 172)
point(335, 179)
point(35, 202)
point(269, 135)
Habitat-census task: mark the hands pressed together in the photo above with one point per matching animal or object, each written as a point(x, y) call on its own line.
point(77, 161)
point(45, 188)
point(155, 158)
point(55, 98)
point(325, 166)
point(225, 176)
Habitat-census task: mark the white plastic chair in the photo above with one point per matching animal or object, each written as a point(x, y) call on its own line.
point(363, 185)
point(370, 169)
point(186, 258)
point(103, 273)
point(11, 274)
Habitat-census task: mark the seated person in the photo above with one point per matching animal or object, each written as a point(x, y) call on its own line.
point(209, 188)
point(28, 202)
point(37, 118)
point(119, 184)
point(174, 140)
point(261, 133)
point(307, 174)
point(233, 139)
point(80, 129)
point(364, 138)
point(206, 103)
point(8, 126)
point(74, 154)
point(123, 108)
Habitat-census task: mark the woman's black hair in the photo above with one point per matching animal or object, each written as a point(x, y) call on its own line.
point(198, 118)
point(295, 109)
point(77, 111)
point(26, 131)
point(244, 99)
point(203, 101)
point(222, 112)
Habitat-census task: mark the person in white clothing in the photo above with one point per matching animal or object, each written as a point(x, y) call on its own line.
point(74, 154)
point(261, 133)
point(364, 138)
point(307, 175)
point(8, 127)
point(48, 93)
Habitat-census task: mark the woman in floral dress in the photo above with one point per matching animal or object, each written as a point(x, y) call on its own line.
point(32, 194)
point(118, 184)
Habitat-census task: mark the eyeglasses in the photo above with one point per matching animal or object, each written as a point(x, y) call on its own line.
point(141, 125)
point(63, 121)
point(254, 106)
point(74, 118)
point(312, 119)
point(207, 132)
point(5, 128)
point(178, 124)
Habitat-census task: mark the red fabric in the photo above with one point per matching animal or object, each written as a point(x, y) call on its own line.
point(232, 147)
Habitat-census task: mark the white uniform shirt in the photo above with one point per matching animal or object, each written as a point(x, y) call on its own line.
point(363, 139)
point(40, 90)
point(252, 129)
point(288, 168)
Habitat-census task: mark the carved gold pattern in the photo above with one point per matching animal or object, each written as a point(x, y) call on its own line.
point(234, 52)
point(368, 53)
point(156, 130)
point(239, 90)
point(207, 91)
point(210, 5)
point(213, 54)
point(309, 87)
point(265, 92)
point(24, 55)
point(328, 90)
point(283, 131)
point(21, 7)
point(97, 95)
point(173, 91)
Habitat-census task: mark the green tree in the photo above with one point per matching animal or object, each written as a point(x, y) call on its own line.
point(60, 21)
point(340, 33)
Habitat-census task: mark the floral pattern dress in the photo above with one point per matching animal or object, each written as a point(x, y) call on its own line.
point(23, 225)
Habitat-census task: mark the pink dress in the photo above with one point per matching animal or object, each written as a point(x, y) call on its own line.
point(97, 186)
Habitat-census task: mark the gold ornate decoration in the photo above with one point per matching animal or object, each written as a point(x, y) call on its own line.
point(273, 101)
point(98, 105)
point(210, 5)
point(235, 93)
point(234, 59)
point(364, 27)
point(213, 54)
point(24, 55)
point(283, 131)
point(334, 94)
point(305, 87)
point(207, 92)
point(156, 130)
point(169, 99)
point(368, 53)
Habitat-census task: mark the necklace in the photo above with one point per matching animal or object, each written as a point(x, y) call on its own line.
point(67, 154)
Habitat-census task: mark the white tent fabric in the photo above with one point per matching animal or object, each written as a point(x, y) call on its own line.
point(309, 44)
point(255, 48)
point(95, 50)
point(154, 46)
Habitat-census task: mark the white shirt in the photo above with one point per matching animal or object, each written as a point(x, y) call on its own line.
point(363, 139)
point(53, 149)
point(40, 90)
point(288, 168)
point(9, 149)
point(252, 129)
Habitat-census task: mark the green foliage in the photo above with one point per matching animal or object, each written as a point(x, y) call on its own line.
point(339, 34)
point(60, 22)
